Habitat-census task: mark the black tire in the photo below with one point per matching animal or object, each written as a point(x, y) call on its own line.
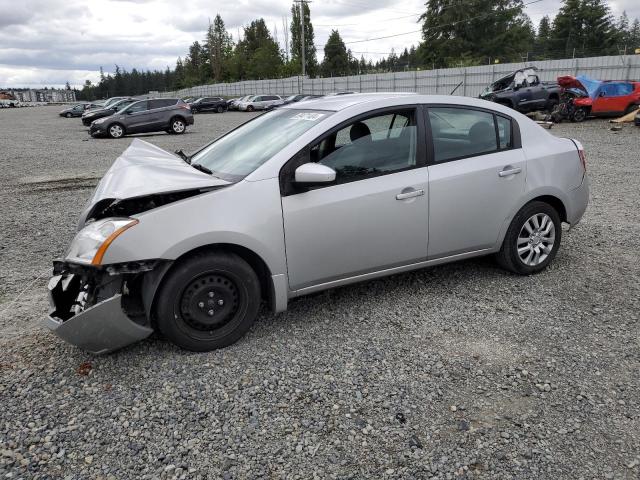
point(579, 115)
point(116, 130)
point(508, 256)
point(188, 308)
point(220, 109)
point(250, 108)
point(177, 125)
point(631, 108)
point(68, 115)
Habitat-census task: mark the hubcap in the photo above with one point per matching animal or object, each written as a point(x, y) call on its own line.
point(536, 239)
point(116, 131)
point(209, 302)
point(178, 126)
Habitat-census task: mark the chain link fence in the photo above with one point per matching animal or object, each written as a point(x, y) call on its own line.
point(471, 80)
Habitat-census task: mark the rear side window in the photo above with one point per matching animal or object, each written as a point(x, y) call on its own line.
point(161, 103)
point(460, 133)
point(137, 107)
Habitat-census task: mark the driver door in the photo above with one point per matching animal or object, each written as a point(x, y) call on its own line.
point(375, 214)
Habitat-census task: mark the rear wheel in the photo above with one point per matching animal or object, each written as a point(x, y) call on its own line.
point(68, 115)
point(208, 301)
point(631, 108)
point(532, 240)
point(177, 125)
point(552, 103)
point(116, 130)
point(219, 109)
point(250, 108)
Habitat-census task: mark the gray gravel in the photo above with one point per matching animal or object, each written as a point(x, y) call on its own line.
point(460, 371)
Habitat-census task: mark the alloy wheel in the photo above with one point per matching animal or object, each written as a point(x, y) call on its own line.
point(115, 131)
point(178, 126)
point(536, 239)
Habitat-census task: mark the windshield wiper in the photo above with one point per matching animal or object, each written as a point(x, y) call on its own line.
point(183, 156)
point(202, 168)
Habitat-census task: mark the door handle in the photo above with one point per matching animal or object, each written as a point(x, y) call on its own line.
point(413, 193)
point(509, 171)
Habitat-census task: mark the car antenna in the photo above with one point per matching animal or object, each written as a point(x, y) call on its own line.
point(457, 86)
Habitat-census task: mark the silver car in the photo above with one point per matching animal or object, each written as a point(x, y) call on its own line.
point(304, 198)
point(260, 102)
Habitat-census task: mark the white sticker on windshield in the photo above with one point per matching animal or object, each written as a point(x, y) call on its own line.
point(311, 116)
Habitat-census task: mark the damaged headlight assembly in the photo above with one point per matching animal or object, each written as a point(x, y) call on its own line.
point(91, 243)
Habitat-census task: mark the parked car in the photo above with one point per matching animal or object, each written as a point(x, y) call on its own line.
point(209, 104)
point(92, 106)
point(73, 111)
point(259, 102)
point(90, 115)
point(294, 99)
point(308, 197)
point(110, 101)
point(233, 103)
point(522, 90)
point(595, 98)
point(155, 115)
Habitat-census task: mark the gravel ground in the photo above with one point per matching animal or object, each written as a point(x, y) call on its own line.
point(460, 371)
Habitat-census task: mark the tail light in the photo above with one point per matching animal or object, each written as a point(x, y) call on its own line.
point(185, 106)
point(583, 158)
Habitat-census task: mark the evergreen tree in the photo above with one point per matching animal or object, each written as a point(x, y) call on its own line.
point(257, 54)
point(220, 48)
point(543, 38)
point(310, 57)
point(473, 31)
point(336, 58)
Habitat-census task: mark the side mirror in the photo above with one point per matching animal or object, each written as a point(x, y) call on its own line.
point(314, 174)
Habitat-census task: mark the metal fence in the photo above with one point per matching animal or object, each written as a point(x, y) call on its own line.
point(441, 81)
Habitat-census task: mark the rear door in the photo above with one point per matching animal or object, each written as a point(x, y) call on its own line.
point(612, 98)
point(476, 175)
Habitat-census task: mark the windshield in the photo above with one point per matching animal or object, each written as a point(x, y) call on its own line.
point(240, 152)
point(121, 104)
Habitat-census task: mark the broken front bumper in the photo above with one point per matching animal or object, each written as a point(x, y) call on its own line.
point(99, 328)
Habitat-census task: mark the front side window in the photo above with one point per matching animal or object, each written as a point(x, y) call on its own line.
point(460, 132)
point(244, 149)
point(373, 146)
point(136, 107)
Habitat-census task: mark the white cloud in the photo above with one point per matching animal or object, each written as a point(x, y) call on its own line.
point(49, 42)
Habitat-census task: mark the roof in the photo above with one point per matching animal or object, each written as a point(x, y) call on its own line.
point(340, 102)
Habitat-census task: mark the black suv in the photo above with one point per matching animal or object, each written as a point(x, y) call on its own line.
point(209, 104)
point(522, 90)
point(171, 115)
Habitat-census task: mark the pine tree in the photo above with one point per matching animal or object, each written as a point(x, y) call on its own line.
point(220, 48)
point(336, 58)
point(310, 57)
point(543, 38)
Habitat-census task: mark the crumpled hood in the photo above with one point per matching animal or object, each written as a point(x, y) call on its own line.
point(144, 169)
point(582, 83)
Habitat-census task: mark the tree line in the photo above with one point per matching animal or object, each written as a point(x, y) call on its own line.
point(454, 33)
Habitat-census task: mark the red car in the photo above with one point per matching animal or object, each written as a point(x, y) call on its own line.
point(600, 99)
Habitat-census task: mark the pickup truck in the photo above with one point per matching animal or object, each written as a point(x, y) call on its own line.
point(522, 90)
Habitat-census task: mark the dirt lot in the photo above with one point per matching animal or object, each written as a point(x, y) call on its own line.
point(460, 371)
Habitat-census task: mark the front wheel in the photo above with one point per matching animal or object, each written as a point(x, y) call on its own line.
point(579, 115)
point(178, 126)
point(631, 108)
point(532, 240)
point(68, 115)
point(250, 108)
point(219, 109)
point(116, 130)
point(208, 301)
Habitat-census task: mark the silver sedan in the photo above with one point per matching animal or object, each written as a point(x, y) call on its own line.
point(304, 198)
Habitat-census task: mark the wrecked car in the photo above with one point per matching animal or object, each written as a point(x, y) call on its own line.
point(523, 91)
point(310, 196)
point(585, 97)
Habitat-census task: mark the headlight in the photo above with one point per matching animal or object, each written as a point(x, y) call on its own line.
point(100, 120)
point(91, 243)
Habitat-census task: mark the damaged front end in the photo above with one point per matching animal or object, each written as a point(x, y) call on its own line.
point(100, 309)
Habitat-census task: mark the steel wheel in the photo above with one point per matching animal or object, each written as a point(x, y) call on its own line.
point(116, 131)
point(177, 126)
point(209, 302)
point(536, 239)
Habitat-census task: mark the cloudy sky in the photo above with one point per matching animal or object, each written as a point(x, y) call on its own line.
point(50, 42)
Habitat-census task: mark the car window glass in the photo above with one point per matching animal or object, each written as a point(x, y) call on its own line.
point(459, 132)
point(373, 146)
point(504, 132)
point(137, 107)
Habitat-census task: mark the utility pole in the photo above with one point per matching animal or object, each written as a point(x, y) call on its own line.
point(302, 3)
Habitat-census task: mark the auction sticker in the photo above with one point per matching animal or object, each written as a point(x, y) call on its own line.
point(311, 116)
